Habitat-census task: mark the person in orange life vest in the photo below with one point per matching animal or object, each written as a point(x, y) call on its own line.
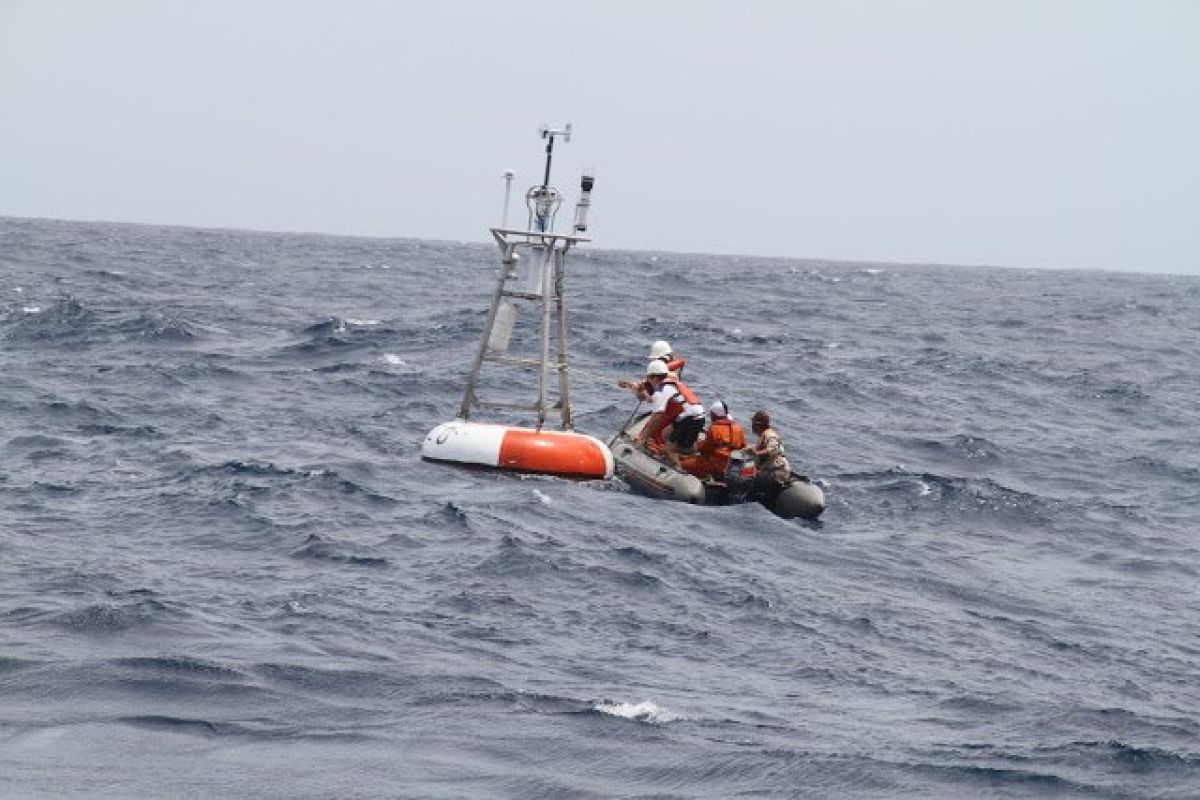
point(659, 351)
point(722, 438)
point(677, 416)
point(774, 471)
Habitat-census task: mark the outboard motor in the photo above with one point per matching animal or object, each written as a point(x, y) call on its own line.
point(739, 475)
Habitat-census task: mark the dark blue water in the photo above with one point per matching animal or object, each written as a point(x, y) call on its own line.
point(225, 570)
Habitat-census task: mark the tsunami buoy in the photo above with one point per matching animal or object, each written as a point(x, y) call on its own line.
point(564, 453)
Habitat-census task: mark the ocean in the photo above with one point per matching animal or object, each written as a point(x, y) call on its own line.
point(225, 570)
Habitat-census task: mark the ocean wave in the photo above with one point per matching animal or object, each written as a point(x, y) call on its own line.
point(327, 327)
point(974, 496)
point(109, 274)
point(451, 513)
point(969, 779)
point(65, 320)
point(959, 447)
point(179, 725)
point(646, 711)
point(516, 558)
point(35, 442)
point(357, 683)
point(640, 555)
point(1163, 468)
point(158, 326)
point(627, 578)
point(180, 665)
point(69, 321)
point(108, 618)
point(1139, 759)
point(318, 548)
point(131, 431)
point(9, 664)
point(321, 476)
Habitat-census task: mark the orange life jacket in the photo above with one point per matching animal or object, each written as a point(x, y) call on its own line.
point(723, 437)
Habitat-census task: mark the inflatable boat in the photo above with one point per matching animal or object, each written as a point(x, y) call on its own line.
point(647, 474)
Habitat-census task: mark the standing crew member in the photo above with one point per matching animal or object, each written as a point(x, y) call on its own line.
point(774, 471)
point(722, 438)
point(677, 415)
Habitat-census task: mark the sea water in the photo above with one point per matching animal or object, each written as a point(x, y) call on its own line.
point(226, 571)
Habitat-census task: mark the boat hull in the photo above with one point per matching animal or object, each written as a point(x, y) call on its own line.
point(801, 498)
point(650, 476)
point(508, 447)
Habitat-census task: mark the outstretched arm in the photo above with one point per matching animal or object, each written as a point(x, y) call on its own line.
point(637, 387)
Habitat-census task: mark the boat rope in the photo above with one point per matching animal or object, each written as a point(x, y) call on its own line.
point(632, 414)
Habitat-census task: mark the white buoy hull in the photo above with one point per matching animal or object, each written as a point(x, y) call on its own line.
point(509, 447)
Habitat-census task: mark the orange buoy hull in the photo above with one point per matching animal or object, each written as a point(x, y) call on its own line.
point(563, 453)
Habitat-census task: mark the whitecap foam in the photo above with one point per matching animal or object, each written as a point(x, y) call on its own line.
point(364, 323)
point(925, 490)
point(542, 497)
point(393, 359)
point(31, 309)
point(642, 712)
point(294, 607)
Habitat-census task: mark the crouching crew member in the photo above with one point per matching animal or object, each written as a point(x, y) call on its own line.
point(774, 471)
point(676, 418)
point(722, 438)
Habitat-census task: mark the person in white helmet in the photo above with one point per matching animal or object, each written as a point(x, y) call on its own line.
point(677, 415)
point(659, 351)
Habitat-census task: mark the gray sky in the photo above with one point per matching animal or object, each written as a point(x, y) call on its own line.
point(1015, 132)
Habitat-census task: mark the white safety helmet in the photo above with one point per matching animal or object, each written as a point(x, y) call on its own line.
point(660, 349)
point(655, 368)
point(719, 410)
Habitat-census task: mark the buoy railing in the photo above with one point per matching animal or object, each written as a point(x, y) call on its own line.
point(532, 269)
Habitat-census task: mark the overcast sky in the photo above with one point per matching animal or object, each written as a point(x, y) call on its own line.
point(1025, 133)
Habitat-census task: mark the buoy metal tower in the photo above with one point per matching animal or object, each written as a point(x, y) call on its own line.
point(532, 271)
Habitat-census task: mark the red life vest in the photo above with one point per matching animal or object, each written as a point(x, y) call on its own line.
point(687, 395)
point(684, 396)
point(674, 408)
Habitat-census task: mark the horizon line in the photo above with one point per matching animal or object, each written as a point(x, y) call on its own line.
point(853, 261)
